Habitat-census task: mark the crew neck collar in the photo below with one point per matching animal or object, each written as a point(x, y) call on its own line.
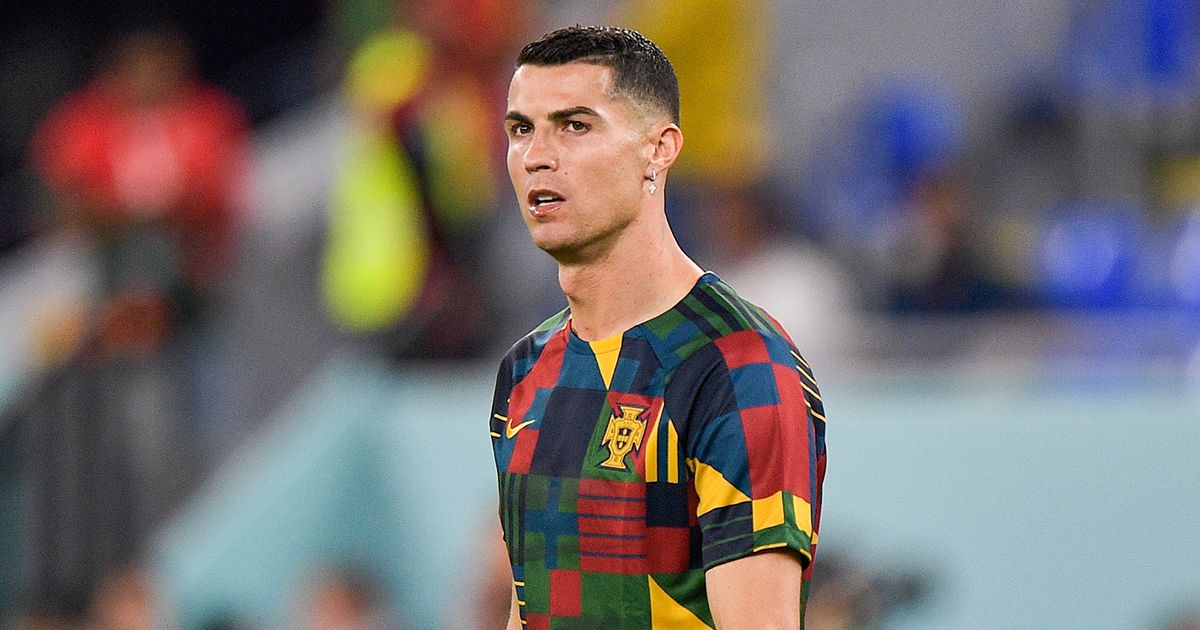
point(613, 342)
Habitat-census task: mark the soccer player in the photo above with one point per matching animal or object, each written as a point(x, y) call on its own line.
point(660, 442)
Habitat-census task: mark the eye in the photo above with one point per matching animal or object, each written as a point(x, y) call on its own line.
point(520, 129)
point(576, 126)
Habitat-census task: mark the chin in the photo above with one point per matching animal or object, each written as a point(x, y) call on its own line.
point(556, 249)
point(549, 239)
point(561, 248)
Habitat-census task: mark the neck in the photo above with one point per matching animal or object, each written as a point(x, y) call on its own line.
point(642, 275)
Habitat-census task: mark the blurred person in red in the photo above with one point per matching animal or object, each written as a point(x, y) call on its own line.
point(146, 161)
point(143, 163)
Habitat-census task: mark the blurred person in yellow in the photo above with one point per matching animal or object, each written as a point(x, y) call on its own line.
point(728, 211)
point(720, 49)
point(419, 178)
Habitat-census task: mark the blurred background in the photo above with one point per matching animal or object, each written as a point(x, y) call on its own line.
point(258, 262)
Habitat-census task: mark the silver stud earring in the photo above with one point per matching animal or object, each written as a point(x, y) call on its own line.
point(653, 185)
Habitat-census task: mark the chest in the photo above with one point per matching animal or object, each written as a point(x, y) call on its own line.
point(586, 424)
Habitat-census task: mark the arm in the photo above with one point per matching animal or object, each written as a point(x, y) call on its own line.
point(759, 592)
point(756, 455)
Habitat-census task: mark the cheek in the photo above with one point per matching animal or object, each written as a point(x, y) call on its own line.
point(617, 168)
point(621, 177)
point(514, 160)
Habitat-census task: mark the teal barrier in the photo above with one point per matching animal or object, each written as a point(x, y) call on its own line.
point(386, 474)
point(1034, 501)
point(14, 520)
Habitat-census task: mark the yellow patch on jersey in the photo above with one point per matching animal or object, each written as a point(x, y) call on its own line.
point(665, 612)
point(803, 510)
point(607, 350)
point(768, 512)
point(713, 488)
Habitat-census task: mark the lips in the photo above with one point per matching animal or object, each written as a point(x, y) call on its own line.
point(543, 201)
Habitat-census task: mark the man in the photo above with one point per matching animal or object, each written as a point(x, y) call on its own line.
point(660, 442)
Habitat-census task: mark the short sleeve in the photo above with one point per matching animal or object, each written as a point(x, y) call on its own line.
point(755, 450)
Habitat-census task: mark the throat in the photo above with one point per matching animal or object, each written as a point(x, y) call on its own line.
point(608, 301)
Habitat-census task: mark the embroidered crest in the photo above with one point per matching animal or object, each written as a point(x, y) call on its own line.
point(624, 434)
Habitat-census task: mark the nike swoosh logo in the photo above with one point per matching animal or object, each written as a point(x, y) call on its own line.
point(510, 430)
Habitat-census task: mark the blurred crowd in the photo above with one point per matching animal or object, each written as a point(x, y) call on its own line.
point(132, 128)
point(126, 598)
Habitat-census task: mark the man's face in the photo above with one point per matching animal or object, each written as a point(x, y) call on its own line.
point(577, 157)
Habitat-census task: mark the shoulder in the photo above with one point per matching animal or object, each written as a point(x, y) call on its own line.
point(525, 352)
point(714, 325)
point(749, 316)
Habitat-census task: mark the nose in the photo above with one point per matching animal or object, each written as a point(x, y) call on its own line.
point(541, 154)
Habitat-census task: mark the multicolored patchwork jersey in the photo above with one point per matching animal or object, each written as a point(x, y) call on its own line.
point(630, 466)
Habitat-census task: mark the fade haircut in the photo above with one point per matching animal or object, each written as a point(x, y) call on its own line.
point(641, 71)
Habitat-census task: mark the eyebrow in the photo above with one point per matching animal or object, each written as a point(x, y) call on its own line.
point(518, 117)
point(555, 116)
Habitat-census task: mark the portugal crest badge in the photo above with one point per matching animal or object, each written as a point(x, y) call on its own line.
point(624, 434)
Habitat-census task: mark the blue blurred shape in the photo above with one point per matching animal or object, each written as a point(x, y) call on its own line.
point(914, 125)
point(1171, 42)
point(1086, 256)
point(1123, 48)
point(1184, 269)
point(899, 131)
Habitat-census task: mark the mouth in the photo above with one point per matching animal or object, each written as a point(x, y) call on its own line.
point(541, 202)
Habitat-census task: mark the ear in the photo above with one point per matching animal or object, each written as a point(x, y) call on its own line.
point(668, 143)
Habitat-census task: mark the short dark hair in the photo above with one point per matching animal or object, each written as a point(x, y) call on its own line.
point(641, 70)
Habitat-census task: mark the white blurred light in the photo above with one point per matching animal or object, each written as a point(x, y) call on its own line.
point(1081, 256)
point(1185, 265)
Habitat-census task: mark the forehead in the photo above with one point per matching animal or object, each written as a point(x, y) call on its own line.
point(550, 88)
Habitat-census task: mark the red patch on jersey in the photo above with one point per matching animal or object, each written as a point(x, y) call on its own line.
point(796, 427)
point(743, 348)
point(610, 507)
point(765, 446)
point(566, 593)
point(667, 549)
point(543, 375)
point(777, 440)
point(612, 526)
point(609, 564)
point(537, 622)
point(522, 455)
point(614, 489)
point(631, 546)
